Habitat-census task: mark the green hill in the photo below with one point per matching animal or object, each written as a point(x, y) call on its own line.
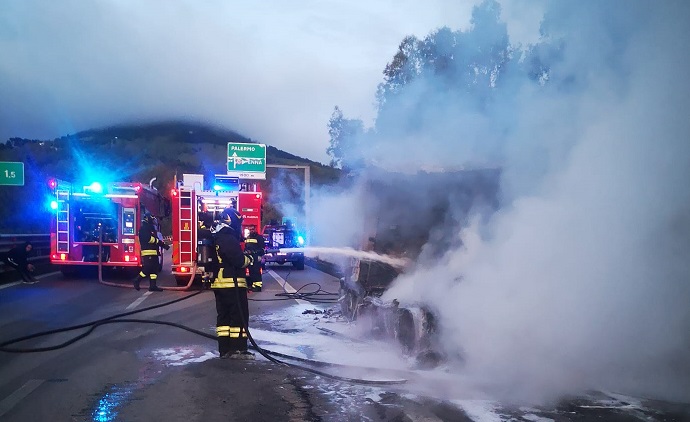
point(125, 153)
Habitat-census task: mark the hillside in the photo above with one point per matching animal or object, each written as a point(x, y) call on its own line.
point(126, 153)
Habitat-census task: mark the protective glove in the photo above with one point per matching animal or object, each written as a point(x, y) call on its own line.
point(252, 257)
point(163, 245)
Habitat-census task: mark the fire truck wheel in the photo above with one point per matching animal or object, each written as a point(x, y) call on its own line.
point(299, 264)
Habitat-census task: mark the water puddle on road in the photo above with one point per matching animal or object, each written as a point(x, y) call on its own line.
point(109, 402)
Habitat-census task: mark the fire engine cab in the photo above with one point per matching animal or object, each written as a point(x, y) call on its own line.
point(86, 219)
point(194, 209)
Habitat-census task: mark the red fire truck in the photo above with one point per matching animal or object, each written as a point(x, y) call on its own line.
point(190, 202)
point(106, 217)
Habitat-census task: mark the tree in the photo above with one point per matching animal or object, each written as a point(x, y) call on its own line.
point(345, 135)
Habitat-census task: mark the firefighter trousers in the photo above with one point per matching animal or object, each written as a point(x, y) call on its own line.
point(149, 268)
point(255, 279)
point(231, 332)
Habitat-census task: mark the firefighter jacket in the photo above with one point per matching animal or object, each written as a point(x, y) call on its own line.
point(255, 244)
point(148, 240)
point(17, 257)
point(231, 260)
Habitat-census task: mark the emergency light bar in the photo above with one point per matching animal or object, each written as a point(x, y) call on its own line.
point(224, 182)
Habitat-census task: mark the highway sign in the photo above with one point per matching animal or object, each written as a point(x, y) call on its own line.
point(11, 173)
point(247, 161)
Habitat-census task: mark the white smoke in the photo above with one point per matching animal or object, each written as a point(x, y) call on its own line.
point(582, 279)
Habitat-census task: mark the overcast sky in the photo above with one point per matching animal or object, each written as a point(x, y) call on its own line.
point(271, 70)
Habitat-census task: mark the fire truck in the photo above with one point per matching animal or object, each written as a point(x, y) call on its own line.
point(192, 203)
point(86, 219)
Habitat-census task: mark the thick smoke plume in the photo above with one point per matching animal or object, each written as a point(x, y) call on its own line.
point(581, 279)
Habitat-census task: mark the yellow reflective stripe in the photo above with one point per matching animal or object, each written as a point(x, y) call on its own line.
point(153, 240)
point(257, 284)
point(141, 273)
point(149, 252)
point(247, 261)
point(232, 332)
point(228, 283)
point(153, 276)
point(251, 241)
point(238, 335)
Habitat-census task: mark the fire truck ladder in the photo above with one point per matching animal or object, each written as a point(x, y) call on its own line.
point(186, 227)
point(62, 221)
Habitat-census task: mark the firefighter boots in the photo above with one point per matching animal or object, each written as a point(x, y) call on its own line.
point(238, 355)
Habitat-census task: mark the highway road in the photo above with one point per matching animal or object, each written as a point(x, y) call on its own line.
point(147, 372)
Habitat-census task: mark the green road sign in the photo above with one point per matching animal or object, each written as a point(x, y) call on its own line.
point(247, 161)
point(11, 173)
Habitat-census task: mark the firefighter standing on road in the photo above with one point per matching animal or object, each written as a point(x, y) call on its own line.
point(150, 251)
point(255, 245)
point(230, 287)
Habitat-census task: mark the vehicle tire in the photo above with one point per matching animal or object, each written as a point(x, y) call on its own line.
point(405, 331)
point(299, 264)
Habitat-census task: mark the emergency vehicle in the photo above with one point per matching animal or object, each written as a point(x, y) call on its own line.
point(106, 217)
point(283, 236)
point(191, 203)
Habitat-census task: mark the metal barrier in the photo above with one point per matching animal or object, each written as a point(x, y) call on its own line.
point(39, 255)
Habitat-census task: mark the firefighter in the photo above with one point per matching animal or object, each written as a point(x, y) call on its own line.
point(150, 253)
point(255, 245)
point(17, 258)
point(230, 287)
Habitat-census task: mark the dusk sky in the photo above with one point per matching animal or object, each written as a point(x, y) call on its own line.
point(271, 70)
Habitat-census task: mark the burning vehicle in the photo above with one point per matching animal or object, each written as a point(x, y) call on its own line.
point(410, 217)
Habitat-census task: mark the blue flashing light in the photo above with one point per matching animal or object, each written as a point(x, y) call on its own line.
point(300, 240)
point(217, 187)
point(96, 187)
point(53, 205)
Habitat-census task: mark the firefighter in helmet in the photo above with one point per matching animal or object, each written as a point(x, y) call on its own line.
point(255, 245)
point(230, 287)
point(150, 252)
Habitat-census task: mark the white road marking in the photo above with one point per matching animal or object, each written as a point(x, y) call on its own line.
point(138, 301)
point(286, 286)
point(4, 286)
point(10, 401)
point(38, 277)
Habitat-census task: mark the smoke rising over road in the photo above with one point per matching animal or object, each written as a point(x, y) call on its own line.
point(581, 280)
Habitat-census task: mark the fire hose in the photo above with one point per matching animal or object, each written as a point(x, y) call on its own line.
point(119, 318)
point(110, 283)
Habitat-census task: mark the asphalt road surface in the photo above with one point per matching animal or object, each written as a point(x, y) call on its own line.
point(147, 372)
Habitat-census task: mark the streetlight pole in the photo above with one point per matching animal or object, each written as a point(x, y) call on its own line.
point(307, 193)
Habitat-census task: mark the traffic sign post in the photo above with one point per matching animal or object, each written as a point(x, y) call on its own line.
point(247, 161)
point(11, 173)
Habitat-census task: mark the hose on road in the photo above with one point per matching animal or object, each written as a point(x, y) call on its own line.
point(118, 318)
